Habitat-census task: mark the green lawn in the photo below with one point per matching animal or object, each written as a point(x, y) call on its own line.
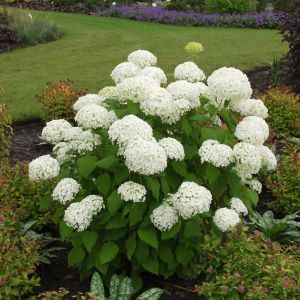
point(92, 46)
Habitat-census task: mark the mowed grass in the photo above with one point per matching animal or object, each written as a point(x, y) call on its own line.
point(92, 46)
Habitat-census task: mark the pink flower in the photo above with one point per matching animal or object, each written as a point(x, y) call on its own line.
point(2, 282)
point(257, 233)
point(209, 270)
point(282, 271)
point(241, 289)
point(224, 288)
point(2, 218)
point(286, 282)
point(237, 274)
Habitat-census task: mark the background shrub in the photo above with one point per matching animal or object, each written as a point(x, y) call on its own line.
point(249, 266)
point(5, 130)
point(31, 30)
point(18, 258)
point(23, 199)
point(225, 6)
point(284, 111)
point(58, 100)
point(196, 5)
point(284, 183)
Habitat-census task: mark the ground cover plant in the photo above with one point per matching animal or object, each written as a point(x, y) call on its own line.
point(150, 171)
point(107, 41)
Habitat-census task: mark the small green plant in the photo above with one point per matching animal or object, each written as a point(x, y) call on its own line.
point(5, 130)
point(285, 182)
point(284, 111)
point(19, 256)
point(249, 266)
point(284, 231)
point(31, 30)
point(58, 99)
point(121, 288)
point(22, 198)
point(275, 71)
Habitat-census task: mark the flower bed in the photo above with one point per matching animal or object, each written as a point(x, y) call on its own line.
point(160, 15)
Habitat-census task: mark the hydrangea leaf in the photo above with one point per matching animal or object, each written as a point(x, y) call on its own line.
point(108, 252)
point(149, 236)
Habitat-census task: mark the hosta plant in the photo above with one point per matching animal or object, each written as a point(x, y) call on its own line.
point(152, 169)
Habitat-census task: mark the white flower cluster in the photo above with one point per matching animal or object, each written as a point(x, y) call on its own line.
point(142, 58)
point(255, 185)
point(92, 116)
point(253, 107)
point(226, 219)
point(154, 73)
point(268, 159)
point(189, 71)
point(253, 130)
point(136, 89)
point(173, 148)
point(190, 199)
point(79, 215)
point(217, 154)
point(55, 131)
point(228, 84)
point(43, 168)
point(132, 191)
point(108, 92)
point(66, 190)
point(123, 71)
point(88, 99)
point(238, 205)
point(164, 217)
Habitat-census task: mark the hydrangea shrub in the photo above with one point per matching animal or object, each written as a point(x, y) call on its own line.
point(153, 168)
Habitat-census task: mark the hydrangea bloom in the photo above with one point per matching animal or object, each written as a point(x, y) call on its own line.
point(79, 215)
point(191, 199)
point(136, 89)
point(183, 89)
point(238, 205)
point(93, 116)
point(88, 99)
point(217, 154)
point(43, 168)
point(268, 159)
point(66, 190)
point(253, 107)
point(108, 92)
point(160, 103)
point(226, 219)
point(164, 217)
point(201, 88)
point(252, 131)
point(55, 130)
point(193, 48)
point(62, 152)
point(173, 148)
point(247, 158)
point(228, 84)
point(189, 71)
point(123, 71)
point(255, 185)
point(86, 142)
point(74, 133)
point(154, 73)
point(132, 191)
point(142, 58)
point(145, 157)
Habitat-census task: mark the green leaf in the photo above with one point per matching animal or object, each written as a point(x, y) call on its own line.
point(151, 294)
point(234, 183)
point(114, 234)
point(114, 287)
point(184, 255)
point(191, 229)
point(214, 133)
point(211, 173)
point(89, 239)
point(114, 202)
point(107, 162)
point(76, 255)
point(149, 236)
point(228, 118)
point(200, 118)
point(133, 108)
point(250, 195)
point(180, 167)
point(121, 174)
point(151, 264)
point(166, 235)
point(108, 252)
point(116, 222)
point(219, 186)
point(86, 165)
point(103, 183)
point(57, 215)
point(141, 252)
point(154, 186)
point(164, 185)
point(166, 253)
point(45, 202)
point(190, 151)
point(126, 289)
point(186, 127)
point(96, 286)
point(136, 213)
point(64, 230)
point(130, 245)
